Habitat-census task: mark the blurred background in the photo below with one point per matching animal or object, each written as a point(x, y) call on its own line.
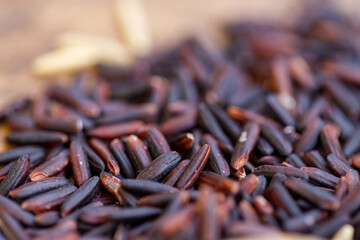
point(29, 28)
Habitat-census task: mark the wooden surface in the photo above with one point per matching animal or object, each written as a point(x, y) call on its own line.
point(29, 28)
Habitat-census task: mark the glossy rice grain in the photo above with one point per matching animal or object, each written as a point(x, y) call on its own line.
point(81, 196)
point(194, 168)
point(37, 137)
point(33, 188)
point(51, 167)
point(160, 166)
point(244, 145)
point(137, 152)
point(79, 162)
point(104, 153)
point(16, 175)
point(49, 200)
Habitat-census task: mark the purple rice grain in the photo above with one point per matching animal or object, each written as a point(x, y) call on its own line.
point(76, 213)
point(243, 115)
point(133, 214)
point(174, 222)
point(241, 228)
point(160, 166)
point(126, 198)
point(328, 227)
point(241, 173)
point(79, 162)
point(249, 183)
point(145, 187)
point(137, 152)
point(321, 177)
point(219, 182)
point(172, 177)
point(278, 178)
point(352, 180)
point(47, 219)
point(49, 200)
point(95, 162)
point(295, 160)
point(81, 196)
point(245, 145)
point(265, 210)
point(16, 176)
point(159, 200)
point(309, 137)
point(242, 100)
point(267, 160)
point(304, 222)
point(343, 97)
point(352, 144)
point(182, 142)
point(264, 147)
point(66, 230)
point(210, 124)
point(345, 70)
point(338, 117)
point(62, 111)
point(14, 153)
point(337, 165)
point(282, 199)
point(281, 112)
point(20, 122)
point(34, 188)
point(321, 198)
point(349, 203)
point(217, 161)
point(276, 139)
point(118, 150)
point(101, 231)
point(51, 167)
point(180, 123)
point(144, 112)
point(159, 90)
point(207, 207)
point(110, 182)
point(75, 99)
point(248, 212)
point(195, 65)
point(227, 123)
point(177, 108)
point(104, 153)
point(69, 125)
point(115, 130)
point(301, 72)
point(317, 107)
point(330, 140)
point(194, 168)
point(271, 170)
point(341, 188)
point(14, 107)
point(187, 85)
point(157, 142)
point(314, 159)
point(129, 92)
point(13, 209)
point(37, 137)
point(260, 187)
point(11, 228)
